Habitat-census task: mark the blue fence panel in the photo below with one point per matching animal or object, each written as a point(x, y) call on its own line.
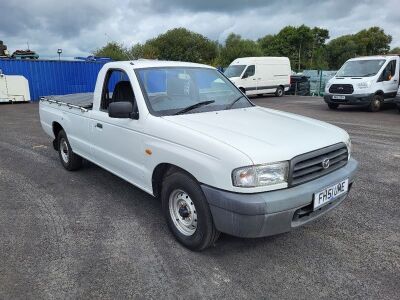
point(47, 77)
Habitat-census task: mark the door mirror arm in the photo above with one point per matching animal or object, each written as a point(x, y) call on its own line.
point(134, 115)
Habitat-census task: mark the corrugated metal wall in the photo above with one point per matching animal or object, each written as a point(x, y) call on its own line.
point(48, 77)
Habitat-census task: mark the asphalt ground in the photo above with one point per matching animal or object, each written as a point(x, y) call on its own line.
point(89, 234)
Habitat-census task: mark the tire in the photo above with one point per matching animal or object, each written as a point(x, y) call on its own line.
point(333, 105)
point(260, 95)
point(376, 103)
point(68, 158)
point(398, 107)
point(187, 212)
point(279, 92)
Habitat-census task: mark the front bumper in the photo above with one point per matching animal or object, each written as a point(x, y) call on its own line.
point(269, 213)
point(352, 99)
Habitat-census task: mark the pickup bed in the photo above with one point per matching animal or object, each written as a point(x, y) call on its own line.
point(184, 133)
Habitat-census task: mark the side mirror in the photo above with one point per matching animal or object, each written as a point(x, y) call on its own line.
point(122, 110)
point(245, 75)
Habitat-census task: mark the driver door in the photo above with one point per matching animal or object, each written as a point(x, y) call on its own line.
point(249, 80)
point(390, 79)
point(117, 143)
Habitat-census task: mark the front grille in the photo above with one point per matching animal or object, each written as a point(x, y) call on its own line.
point(309, 166)
point(341, 89)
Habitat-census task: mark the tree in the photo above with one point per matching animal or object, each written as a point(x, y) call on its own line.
point(371, 41)
point(235, 47)
point(395, 50)
point(341, 49)
point(303, 45)
point(146, 50)
point(183, 45)
point(113, 50)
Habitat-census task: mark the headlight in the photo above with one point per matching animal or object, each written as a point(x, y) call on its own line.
point(327, 86)
point(349, 148)
point(261, 175)
point(364, 85)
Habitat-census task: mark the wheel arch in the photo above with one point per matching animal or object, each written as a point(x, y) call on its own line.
point(380, 93)
point(56, 130)
point(161, 171)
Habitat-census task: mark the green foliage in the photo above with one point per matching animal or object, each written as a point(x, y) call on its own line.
point(395, 50)
point(236, 47)
point(182, 44)
point(306, 47)
point(113, 50)
point(372, 41)
point(303, 45)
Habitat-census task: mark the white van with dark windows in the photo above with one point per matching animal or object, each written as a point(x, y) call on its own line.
point(260, 75)
point(365, 81)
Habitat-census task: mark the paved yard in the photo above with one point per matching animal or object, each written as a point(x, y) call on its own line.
point(89, 234)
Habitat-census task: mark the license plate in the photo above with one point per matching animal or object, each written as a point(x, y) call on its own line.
point(339, 97)
point(330, 193)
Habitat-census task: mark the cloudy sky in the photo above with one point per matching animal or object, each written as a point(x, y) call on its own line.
point(81, 26)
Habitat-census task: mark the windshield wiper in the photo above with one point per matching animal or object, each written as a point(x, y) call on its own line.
point(229, 106)
point(194, 106)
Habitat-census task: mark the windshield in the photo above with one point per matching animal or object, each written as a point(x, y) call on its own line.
point(234, 71)
point(360, 68)
point(178, 90)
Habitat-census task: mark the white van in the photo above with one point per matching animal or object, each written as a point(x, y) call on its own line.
point(365, 81)
point(260, 75)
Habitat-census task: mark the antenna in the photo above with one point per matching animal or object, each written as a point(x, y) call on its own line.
point(27, 43)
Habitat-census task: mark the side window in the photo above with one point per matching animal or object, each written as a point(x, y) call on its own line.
point(116, 88)
point(250, 71)
point(389, 71)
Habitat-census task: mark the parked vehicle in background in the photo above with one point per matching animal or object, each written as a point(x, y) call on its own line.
point(184, 133)
point(397, 99)
point(366, 81)
point(260, 75)
point(14, 88)
point(299, 85)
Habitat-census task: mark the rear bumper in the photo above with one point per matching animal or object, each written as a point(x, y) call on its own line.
point(353, 99)
point(269, 213)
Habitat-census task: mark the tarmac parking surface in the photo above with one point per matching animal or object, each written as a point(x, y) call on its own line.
point(90, 234)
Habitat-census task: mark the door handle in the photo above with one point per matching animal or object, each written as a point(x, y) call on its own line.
point(99, 125)
point(254, 79)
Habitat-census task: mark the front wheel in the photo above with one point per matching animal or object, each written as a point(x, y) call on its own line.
point(69, 159)
point(333, 105)
point(376, 103)
point(187, 212)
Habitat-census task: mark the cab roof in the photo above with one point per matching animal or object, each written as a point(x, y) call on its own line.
point(385, 56)
point(147, 63)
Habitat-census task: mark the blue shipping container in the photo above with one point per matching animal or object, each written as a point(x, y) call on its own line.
point(50, 77)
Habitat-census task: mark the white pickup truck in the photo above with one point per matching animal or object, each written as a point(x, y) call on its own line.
point(184, 133)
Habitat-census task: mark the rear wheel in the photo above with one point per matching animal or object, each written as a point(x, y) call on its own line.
point(333, 105)
point(69, 159)
point(398, 107)
point(187, 212)
point(376, 103)
point(279, 91)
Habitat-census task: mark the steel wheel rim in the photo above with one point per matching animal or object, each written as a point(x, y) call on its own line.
point(64, 150)
point(183, 212)
point(376, 104)
point(280, 92)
